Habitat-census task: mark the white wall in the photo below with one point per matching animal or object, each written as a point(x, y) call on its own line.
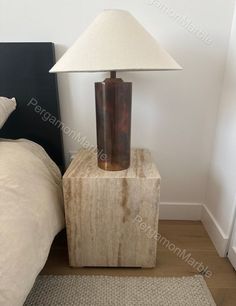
point(221, 191)
point(174, 113)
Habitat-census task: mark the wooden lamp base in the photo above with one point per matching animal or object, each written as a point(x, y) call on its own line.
point(113, 116)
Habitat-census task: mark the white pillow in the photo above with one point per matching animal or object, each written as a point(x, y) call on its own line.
point(7, 106)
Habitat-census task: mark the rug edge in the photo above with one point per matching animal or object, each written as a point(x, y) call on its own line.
point(206, 289)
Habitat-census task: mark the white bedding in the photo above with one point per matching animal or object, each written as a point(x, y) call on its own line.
point(31, 214)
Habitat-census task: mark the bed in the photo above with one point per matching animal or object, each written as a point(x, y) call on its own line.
point(31, 162)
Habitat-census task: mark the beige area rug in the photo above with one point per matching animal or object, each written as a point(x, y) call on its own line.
point(108, 290)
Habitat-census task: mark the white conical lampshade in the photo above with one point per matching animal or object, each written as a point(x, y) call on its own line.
point(115, 41)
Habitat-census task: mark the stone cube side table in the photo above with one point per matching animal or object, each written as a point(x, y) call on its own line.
point(102, 208)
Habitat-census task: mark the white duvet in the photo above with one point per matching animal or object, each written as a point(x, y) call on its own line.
point(31, 214)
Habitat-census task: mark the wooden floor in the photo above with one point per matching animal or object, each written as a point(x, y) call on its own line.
point(187, 235)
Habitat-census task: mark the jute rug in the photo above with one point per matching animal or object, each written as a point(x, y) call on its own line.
point(130, 291)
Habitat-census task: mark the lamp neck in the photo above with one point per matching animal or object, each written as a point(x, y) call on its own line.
point(113, 74)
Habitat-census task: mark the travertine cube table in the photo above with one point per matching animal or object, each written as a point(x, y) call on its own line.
point(107, 212)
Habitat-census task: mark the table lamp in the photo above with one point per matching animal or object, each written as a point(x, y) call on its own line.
point(115, 41)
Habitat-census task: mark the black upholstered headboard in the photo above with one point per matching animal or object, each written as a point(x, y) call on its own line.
point(24, 75)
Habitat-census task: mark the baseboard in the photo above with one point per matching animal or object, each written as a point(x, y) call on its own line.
point(232, 256)
point(219, 239)
point(197, 212)
point(180, 211)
